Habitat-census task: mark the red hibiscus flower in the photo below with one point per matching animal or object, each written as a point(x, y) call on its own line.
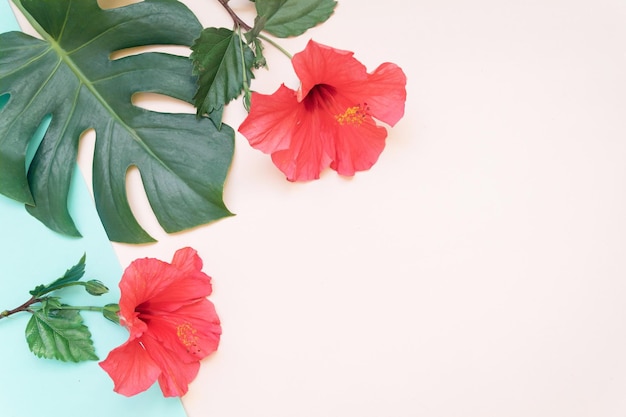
point(330, 119)
point(172, 325)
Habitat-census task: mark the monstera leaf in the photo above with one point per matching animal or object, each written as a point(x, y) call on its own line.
point(69, 75)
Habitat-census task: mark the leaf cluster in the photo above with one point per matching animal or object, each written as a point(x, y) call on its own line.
point(53, 333)
point(224, 59)
point(67, 82)
point(56, 330)
point(73, 274)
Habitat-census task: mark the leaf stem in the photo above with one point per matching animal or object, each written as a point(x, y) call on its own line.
point(246, 84)
point(234, 16)
point(275, 45)
point(58, 287)
point(23, 307)
point(239, 22)
point(82, 308)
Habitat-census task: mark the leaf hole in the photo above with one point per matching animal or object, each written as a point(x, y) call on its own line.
point(36, 139)
point(4, 99)
point(114, 4)
point(86, 150)
point(136, 50)
point(140, 205)
point(161, 103)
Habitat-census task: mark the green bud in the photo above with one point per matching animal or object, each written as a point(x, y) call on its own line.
point(111, 312)
point(259, 59)
point(95, 287)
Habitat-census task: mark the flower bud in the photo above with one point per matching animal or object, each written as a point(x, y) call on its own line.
point(111, 312)
point(95, 287)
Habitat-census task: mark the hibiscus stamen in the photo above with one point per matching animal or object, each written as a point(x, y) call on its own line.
point(187, 335)
point(354, 115)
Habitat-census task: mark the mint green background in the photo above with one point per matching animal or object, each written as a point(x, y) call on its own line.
point(30, 254)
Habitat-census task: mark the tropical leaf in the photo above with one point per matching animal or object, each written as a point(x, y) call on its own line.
point(285, 18)
point(223, 62)
point(68, 74)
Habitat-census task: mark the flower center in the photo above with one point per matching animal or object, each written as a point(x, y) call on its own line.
point(187, 335)
point(319, 97)
point(354, 115)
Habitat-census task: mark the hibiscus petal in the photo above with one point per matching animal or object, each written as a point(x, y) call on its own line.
point(131, 368)
point(385, 93)
point(306, 157)
point(185, 291)
point(176, 374)
point(193, 331)
point(357, 147)
point(134, 324)
point(320, 64)
point(187, 261)
point(142, 280)
point(271, 120)
point(147, 282)
point(189, 285)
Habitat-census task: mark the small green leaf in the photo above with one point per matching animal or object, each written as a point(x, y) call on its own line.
point(61, 335)
point(50, 303)
point(73, 274)
point(219, 62)
point(285, 18)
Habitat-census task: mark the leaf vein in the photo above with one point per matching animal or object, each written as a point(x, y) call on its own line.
point(28, 63)
point(67, 14)
point(37, 93)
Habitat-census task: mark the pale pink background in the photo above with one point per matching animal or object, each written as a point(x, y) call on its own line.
point(477, 270)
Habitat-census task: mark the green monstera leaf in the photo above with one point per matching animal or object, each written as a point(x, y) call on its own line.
point(69, 75)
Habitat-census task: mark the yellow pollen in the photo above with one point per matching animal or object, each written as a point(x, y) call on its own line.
point(354, 115)
point(187, 335)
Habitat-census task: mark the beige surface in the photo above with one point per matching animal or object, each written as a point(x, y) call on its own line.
point(477, 270)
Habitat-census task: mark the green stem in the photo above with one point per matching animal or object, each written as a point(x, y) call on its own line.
point(275, 45)
point(246, 85)
point(240, 23)
point(81, 308)
point(58, 287)
point(26, 307)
